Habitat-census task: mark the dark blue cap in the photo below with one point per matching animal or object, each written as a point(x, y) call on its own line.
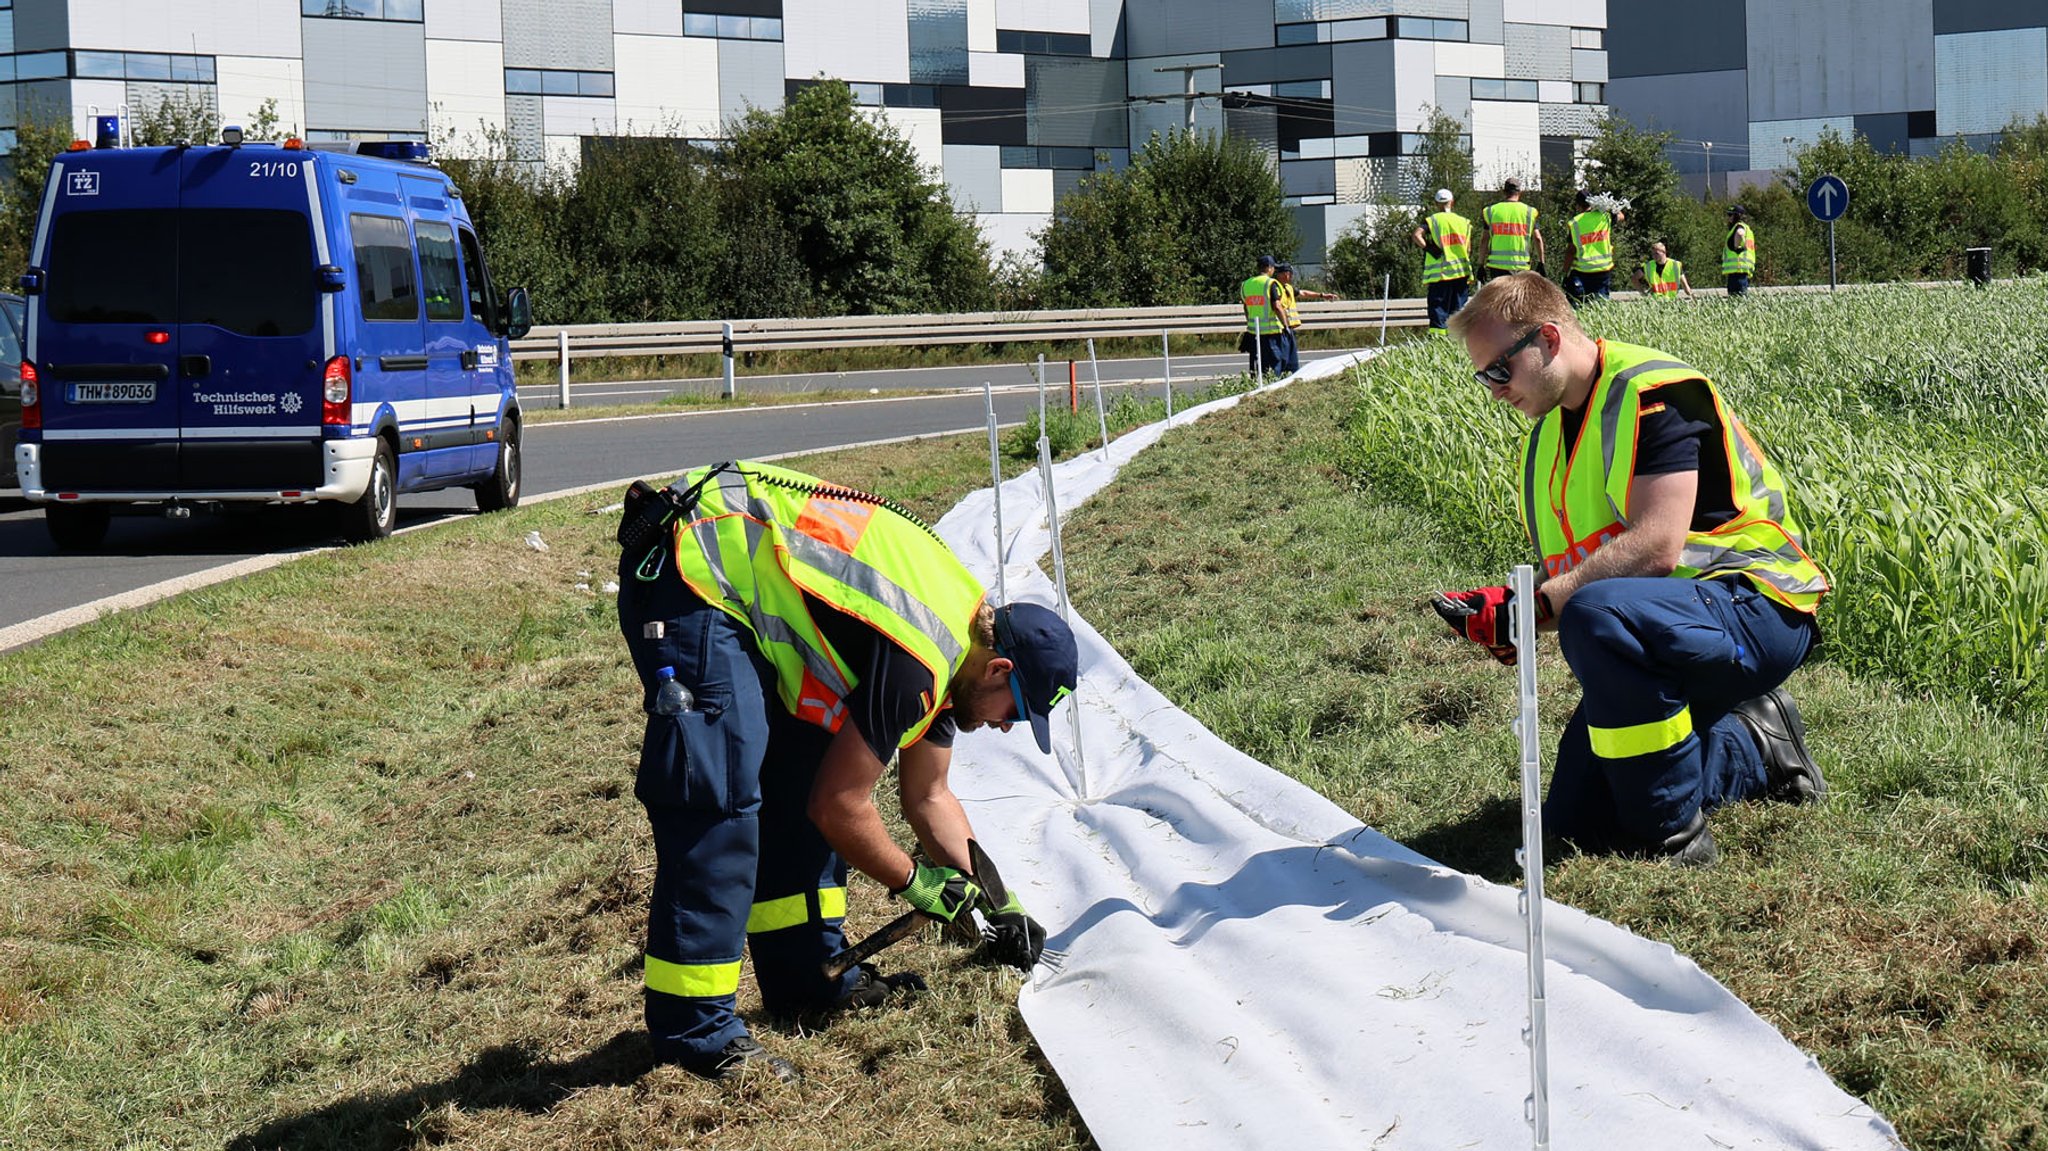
point(1041, 645)
point(1267, 261)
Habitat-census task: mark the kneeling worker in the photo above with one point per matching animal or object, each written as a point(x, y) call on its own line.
point(818, 631)
point(1673, 576)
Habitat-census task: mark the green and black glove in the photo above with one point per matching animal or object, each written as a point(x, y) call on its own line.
point(940, 892)
point(1014, 938)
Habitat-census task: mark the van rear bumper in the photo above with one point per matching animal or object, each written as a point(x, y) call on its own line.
point(345, 472)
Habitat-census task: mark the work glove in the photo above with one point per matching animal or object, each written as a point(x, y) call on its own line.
point(1014, 938)
point(1483, 616)
point(940, 892)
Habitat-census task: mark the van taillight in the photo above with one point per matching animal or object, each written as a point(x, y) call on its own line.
point(335, 387)
point(31, 397)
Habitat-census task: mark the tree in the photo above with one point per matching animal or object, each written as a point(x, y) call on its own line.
point(1184, 224)
point(1625, 161)
point(175, 117)
point(1380, 244)
point(41, 133)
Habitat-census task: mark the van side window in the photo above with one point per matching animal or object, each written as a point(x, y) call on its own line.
point(384, 268)
point(482, 304)
point(440, 274)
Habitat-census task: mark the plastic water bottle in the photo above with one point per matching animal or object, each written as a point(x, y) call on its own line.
point(670, 696)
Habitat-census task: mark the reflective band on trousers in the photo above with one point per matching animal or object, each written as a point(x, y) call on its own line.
point(695, 980)
point(1641, 739)
point(795, 910)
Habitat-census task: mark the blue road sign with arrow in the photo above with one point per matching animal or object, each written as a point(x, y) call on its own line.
point(1827, 198)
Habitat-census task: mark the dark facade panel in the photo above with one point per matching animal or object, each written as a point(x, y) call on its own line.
point(734, 7)
point(1276, 65)
point(38, 26)
point(1920, 125)
point(1694, 107)
point(981, 115)
point(1987, 15)
point(1656, 39)
point(1191, 27)
point(1886, 131)
point(1075, 102)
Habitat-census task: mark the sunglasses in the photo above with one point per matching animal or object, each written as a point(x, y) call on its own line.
point(1497, 374)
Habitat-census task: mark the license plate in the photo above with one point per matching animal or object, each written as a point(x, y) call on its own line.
point(114, 392)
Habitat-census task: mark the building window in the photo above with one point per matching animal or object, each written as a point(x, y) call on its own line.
point(1583, 93)
point(1338, 31)
point(408, 11)
point(1484, 89)
point(726, 27)
point(87, 64)
point(1589, 38)
point(1303, 89)
point(910, 96)
point(1064, 159)
point(1420, 28)
point(1287, 34)
point(554, 82)
point(1044, 43)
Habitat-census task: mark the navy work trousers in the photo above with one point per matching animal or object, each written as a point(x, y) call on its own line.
point(1445, 297)
point(1662, 661)
point(1738, 283)
point(737, 860)
point(1274, 351)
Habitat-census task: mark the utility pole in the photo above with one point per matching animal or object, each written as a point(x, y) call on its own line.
point(1188, 71)
point(1709, 146)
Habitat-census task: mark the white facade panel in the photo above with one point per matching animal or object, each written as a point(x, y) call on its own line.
point(562, 152)
point(1471, 60)
point(1840, 58)
point(666, 85)
point(981, 25)
point(647, 18)
point(219, 27)
point(1575, 13)
point(847, 40)
point(1589, 66)
point(245, 82)
point(1505, 142)
point(578, 116)
point(995, 70)
point(1027, 189)
point(470, 20)
point(920, 127)
point(1772, 142)
point(465, 90)
point(1554, 91)
point(1009, 232)
point(1414, 82)
point(974, 176)
point(1043, 15)
point(1983, 79)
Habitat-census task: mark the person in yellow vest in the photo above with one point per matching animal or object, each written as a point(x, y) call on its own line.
point(1510, 231)
point(1738, 251)
point(1592, 234)
point(1290, 312)
point(1662, 277)
point(1445, 239)
point(1674, 580)
point(792, 639)
point(1266, 343)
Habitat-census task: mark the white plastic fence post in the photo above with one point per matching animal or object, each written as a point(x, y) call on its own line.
point(1259, 355)
point(1101, 420)
point(1537, 1106)
point(562, 366)
point(1386, 301)
point(995, 471)
point(1166, 354)
point(1041, 396)
point(1059, 579)
point(726, 347)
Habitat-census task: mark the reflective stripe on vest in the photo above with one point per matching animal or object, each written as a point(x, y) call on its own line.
point(1664, 284)
point(768, 544)
point(1575, 499)
point(1453, 234)
point(1261, 311)
point(1742, 261)
point(695, 980)
point(1508, 225)
point(1592, 242)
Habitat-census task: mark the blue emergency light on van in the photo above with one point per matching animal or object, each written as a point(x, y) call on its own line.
point(261, 323)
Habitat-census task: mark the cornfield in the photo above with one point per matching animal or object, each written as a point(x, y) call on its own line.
point(1911, 426)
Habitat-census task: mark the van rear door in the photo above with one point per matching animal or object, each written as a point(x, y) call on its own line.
point(251, 339)
point(105, 333)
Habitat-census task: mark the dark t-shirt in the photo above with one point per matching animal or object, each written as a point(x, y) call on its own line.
point(889, 697)
point(1673, 435)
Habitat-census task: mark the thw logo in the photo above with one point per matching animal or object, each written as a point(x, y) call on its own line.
point(82, 184)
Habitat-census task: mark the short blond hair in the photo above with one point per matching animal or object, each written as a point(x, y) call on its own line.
point(1522, 300)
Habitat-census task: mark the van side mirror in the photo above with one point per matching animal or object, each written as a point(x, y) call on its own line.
point(31, 282)
point(332, 278)
point(519, 314)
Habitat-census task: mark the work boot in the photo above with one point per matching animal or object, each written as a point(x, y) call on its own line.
point(1773, 721)
point(1692, 846)
point(871, 988)
point(738, 1055)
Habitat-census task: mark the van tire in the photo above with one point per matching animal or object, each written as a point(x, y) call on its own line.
point(77, 527)
point(501, 491)
point(375, 512)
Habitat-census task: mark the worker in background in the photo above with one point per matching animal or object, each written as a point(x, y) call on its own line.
point(1290, 311)
point(1738, 252)
point(820, 633)
point(1510, 229)
point(1592, 235)
point(1661, 276)
point(1673, 577)
point(1265, 343)
point(1445, 239)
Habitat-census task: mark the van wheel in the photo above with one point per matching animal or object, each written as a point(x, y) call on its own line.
point(77, 527)
point(375, 513)
point(501, 491)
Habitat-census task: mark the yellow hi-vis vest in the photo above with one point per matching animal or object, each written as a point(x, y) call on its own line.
point(1575, 501)
point(1261, 305)
point(1592, 242)
point(762, 537)
point(1663, 284)
point(1508, 226)
point(1290, 313)
point(1740, 261)
point(1453, 234)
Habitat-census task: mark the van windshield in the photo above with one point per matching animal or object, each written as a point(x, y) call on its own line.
point(248, 270)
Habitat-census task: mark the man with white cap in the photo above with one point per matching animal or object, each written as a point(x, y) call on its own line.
point(1445, 239)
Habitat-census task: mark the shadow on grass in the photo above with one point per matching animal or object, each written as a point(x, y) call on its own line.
point(509, 1075)
point(1481, 842)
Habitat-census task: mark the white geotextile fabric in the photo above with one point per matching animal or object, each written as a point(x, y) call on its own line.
point(1248, 966)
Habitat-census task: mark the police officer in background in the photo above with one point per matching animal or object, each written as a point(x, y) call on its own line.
point(1445, 239)
point(1290, 311)
point(820, 633)
point(1592, 250)
point(1510, 228)
point(1738, 252)
point(1661, 276)
point(1265, 343)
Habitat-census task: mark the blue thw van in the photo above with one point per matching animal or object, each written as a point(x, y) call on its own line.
point(261, 323)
